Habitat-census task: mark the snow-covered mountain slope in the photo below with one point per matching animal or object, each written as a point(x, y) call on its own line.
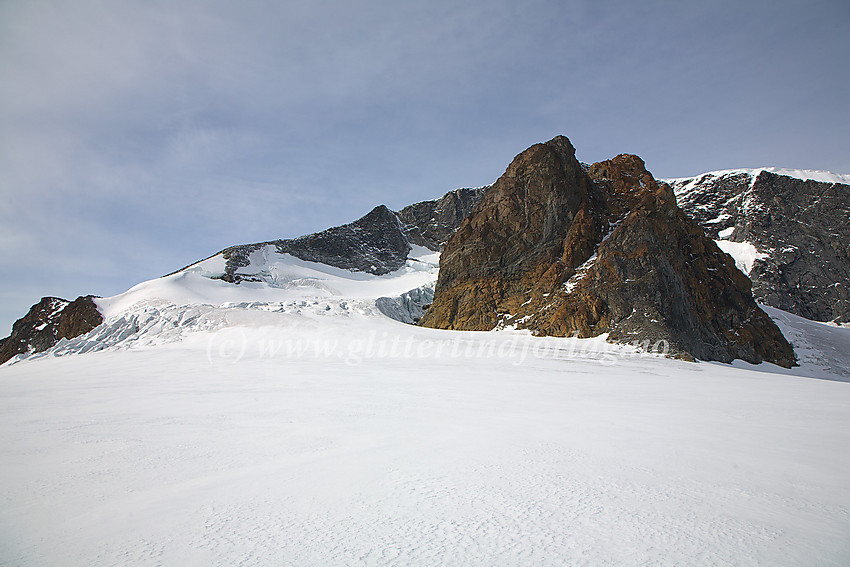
point(789, 228)
point(319, 432)
point(272, 276)
point(196, 298)
point(823, 349)
point(286, 293)
point(753, 173)
point(379, 243)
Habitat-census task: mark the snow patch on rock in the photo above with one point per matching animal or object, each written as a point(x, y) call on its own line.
point(744, 253)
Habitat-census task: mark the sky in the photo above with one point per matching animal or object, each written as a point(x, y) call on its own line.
point(137, 137)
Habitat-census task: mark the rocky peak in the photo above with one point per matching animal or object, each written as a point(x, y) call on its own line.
point(374, 243)
point(524, 218)
point(430, 223)
point(626, 183)
point(49, 321)
point(560, 249)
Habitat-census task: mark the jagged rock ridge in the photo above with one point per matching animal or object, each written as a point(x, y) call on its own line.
point(801, 228)
point(563, 249)
point(377, 243)
point(431, 223)
point(49, 321)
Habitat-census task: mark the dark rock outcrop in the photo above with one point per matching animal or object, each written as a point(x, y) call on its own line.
point(377, 243)
point(431, 223)
point(802, 228)
point(49, 321)
point(564, 249)
point(374, 243)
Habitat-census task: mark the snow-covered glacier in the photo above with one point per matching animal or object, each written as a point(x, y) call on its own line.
point(288, 420)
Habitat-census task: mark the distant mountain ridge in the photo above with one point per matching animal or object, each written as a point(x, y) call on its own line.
point(797, 226)
point(599, 248)
point(378, 243)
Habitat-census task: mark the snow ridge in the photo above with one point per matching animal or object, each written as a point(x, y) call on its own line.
point(282, 291)
point(804, 174)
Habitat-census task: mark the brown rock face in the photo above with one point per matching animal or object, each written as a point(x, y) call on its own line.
point(49, 321)
point(561, 249)
point(527, 221)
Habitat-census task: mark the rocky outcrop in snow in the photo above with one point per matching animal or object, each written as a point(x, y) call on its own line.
point(47, 322)
point(564, 249)
point(375, 244)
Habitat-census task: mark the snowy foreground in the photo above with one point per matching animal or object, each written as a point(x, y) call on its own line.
point(317, 431)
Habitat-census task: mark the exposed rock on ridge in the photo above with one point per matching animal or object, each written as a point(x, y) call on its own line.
point(431, 223)
point(801, 226)
point(563, 249)
point(377, 243)
point(49, 321)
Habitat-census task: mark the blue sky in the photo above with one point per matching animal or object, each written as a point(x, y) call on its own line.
point(137, 137)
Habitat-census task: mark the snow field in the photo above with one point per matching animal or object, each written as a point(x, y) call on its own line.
point(289, 422)
point(161, 456)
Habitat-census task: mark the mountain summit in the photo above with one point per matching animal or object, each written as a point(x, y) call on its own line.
point(562, 249)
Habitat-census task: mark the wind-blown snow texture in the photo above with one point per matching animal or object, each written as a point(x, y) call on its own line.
point(288, 421)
